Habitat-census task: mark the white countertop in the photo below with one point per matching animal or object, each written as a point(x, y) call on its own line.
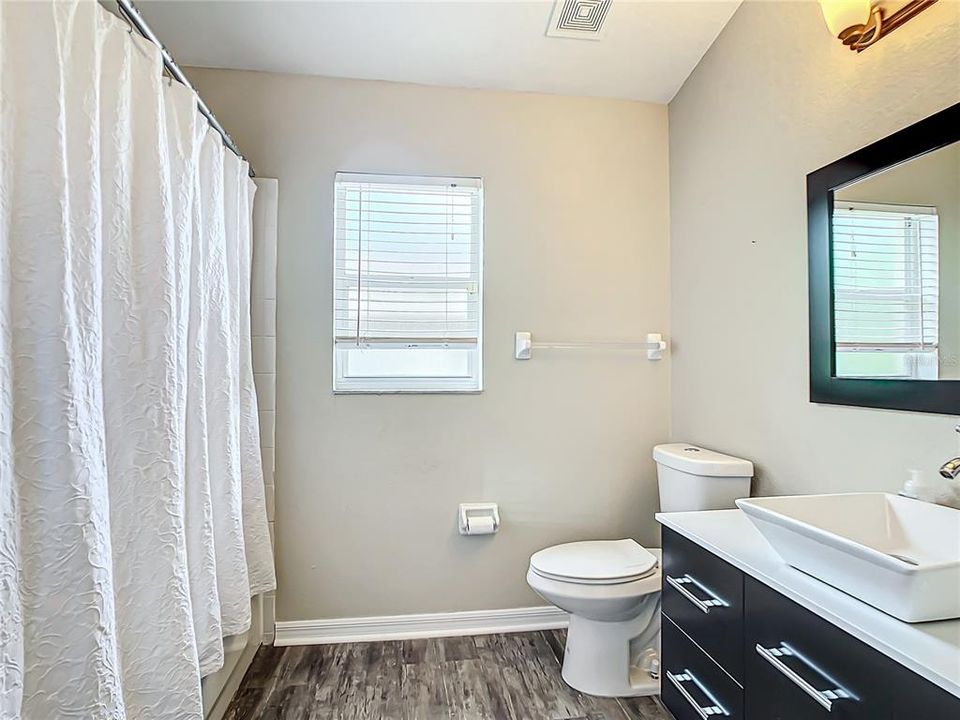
point(931, 649)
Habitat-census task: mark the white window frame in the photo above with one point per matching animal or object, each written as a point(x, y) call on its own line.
point(472, 381)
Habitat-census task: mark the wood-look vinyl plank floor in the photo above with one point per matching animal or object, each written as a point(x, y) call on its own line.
point(486, 677)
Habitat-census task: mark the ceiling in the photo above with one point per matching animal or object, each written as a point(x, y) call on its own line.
point(647, 50)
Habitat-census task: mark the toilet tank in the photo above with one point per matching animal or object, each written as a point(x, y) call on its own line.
point(694, 478)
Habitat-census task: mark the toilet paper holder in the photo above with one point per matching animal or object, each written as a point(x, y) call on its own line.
point(478, 518)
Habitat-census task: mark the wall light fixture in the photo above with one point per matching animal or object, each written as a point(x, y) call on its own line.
point(861, 23)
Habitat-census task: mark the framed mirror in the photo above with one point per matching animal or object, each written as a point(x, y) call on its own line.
point(884, 272)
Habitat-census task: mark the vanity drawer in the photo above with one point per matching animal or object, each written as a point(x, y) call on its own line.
point(703, 595)
point(820, 656)
point(693, 686)
point(915, 697)
point(798, 666)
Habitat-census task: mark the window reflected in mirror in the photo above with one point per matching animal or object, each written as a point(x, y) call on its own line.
point(896, 271)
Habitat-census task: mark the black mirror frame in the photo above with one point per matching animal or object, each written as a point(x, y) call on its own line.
point(932, 396)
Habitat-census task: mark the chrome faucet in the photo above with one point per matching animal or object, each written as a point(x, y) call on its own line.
point(951, 468)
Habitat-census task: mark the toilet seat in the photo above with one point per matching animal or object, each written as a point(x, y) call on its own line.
point(595, 562)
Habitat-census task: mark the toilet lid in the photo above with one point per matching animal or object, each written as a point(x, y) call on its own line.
point(594, 561)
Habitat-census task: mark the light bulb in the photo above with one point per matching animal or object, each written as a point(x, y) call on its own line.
point(842, 14)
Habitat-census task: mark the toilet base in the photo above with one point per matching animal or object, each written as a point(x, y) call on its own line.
point(605, 658)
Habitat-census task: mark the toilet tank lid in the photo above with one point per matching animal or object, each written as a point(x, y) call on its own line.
point(700, 461)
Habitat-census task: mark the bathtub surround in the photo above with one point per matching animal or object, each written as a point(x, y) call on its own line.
point(775, 98)
point(575, 245)
point(263, 325)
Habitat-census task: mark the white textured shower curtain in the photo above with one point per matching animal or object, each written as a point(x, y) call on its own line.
point(132, 522)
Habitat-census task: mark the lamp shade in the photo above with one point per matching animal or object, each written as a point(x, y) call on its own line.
point(841, 14)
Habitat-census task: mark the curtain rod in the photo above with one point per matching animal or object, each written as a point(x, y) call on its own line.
point(130, 13)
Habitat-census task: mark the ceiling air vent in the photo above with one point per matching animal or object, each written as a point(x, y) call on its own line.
point(581, 19)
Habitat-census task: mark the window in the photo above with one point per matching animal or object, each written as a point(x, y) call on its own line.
point(886, 295)
point(408, 284)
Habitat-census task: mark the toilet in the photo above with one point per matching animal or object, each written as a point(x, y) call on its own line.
point(611, 588)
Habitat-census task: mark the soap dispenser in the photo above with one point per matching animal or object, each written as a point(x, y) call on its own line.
point(919, 488)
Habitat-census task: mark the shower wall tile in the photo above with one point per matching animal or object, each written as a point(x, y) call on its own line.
point(265, 354)
point(270, 268)
point(265, 225)
point(269, 495)
point(264, 317)
point(256, 278)
point(269, 611)
point(267, 423)
point(266, 383)
point(270, 317)
point(267, 454)
point(257, 315)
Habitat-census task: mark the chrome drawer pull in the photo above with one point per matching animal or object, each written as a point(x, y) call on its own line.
point(701, 605)
point(824, 697)
point(704, 712)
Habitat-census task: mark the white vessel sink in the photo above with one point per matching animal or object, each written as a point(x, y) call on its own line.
point(899, 555)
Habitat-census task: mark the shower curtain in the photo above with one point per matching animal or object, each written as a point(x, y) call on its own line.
point(133, 529)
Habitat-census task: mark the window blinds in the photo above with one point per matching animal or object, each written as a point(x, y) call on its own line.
point(885, 277)
point(407, 261)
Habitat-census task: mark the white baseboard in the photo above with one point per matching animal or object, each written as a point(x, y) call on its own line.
point(402, 627)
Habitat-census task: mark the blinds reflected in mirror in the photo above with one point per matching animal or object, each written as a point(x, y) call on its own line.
point(886, 289)
point(408, 278)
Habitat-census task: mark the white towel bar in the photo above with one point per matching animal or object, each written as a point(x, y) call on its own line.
point(524, 345)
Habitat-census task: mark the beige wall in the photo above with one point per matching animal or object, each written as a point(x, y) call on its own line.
point(576, 247)
point(775, 98)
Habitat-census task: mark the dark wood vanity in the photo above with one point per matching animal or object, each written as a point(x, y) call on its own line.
point(732, 647)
